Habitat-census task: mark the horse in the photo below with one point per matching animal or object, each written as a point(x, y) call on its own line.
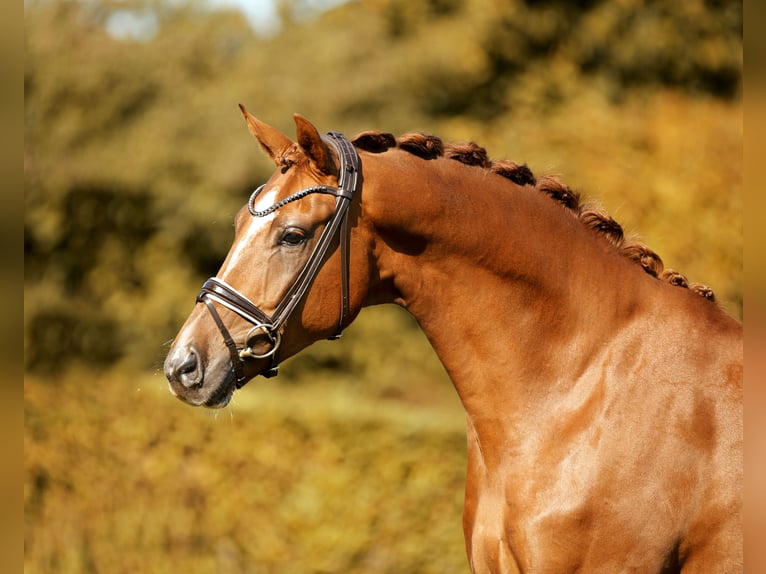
point(602, 392)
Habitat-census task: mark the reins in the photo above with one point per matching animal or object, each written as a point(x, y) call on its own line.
point(218, 291)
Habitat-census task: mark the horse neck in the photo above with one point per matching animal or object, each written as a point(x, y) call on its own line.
point(506, 284)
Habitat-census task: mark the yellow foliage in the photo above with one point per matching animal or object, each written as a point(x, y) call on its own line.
point(121, 477)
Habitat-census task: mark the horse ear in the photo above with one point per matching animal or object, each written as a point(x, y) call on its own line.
point(314, 146)
point(274, 143)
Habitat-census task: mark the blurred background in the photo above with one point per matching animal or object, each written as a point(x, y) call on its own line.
point(136, 159)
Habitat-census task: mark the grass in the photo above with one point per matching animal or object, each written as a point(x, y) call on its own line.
point(122, 477)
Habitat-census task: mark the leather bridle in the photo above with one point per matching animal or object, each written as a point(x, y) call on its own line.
point(215, 290)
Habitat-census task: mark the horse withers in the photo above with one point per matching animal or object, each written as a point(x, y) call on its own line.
point(603, 393)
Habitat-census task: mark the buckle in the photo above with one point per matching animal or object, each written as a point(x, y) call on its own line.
point(274, 336)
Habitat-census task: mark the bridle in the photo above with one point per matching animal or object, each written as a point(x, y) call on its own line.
point(215, 290)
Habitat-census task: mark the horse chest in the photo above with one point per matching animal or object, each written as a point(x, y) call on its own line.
point(536, 515)
point(508, 531)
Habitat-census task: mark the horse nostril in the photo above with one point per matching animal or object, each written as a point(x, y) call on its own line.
point(185, 369)
point(189, 365)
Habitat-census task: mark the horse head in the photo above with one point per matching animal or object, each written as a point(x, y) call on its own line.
point(285, 281)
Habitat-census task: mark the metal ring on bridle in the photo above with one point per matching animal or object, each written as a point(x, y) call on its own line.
point(274, 336)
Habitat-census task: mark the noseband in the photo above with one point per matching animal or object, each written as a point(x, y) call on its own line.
point(215, 290)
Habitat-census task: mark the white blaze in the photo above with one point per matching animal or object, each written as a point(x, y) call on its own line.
point(257, 224)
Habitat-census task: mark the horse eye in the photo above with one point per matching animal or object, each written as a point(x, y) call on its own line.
point(293, 237)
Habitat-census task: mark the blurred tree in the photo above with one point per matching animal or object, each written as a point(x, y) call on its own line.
point(136, 158)
point(121, 177)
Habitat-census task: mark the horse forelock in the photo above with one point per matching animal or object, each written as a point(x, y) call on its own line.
point(430, 147)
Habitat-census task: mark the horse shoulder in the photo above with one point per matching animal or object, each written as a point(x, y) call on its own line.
point(649, 433)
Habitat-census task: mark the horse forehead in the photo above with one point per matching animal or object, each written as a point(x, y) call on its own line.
point(253, 228)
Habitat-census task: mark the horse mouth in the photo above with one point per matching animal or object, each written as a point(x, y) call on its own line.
point(221, 397)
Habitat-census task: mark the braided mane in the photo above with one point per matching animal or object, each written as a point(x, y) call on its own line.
point(431, 147)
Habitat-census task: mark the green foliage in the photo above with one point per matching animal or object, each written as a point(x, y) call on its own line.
point(122, 478)
point(136, 157)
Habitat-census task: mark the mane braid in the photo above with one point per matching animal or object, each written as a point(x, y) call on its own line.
point(469, 154)
point(518, 174)
point(421, 145)
point(430, 147)
point(374, 142)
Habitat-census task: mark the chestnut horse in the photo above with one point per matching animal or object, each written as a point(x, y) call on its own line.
point(603, 395)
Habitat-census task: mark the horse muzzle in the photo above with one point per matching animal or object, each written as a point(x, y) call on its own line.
point(195, 383)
